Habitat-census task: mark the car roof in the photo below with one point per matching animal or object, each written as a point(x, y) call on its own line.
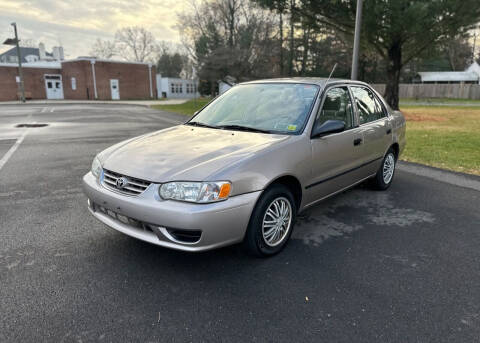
point(320, 81)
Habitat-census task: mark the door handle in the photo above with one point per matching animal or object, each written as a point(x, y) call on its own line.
point(389, 131)
point(357, 141)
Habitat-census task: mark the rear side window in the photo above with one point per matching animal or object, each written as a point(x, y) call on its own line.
point(369, 108)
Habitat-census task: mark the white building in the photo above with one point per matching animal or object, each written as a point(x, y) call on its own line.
point(171, 87)
point(470, 75)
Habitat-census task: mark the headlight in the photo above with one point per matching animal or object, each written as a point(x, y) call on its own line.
point(200, 192)
point(96, 167)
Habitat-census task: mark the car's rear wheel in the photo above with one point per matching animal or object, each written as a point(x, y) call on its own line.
point(271, 223)
point(384, 177)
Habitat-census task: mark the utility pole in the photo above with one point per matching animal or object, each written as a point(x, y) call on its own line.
point(356, 40)
point(20, 71)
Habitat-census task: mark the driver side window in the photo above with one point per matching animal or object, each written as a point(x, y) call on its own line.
point(337, 106)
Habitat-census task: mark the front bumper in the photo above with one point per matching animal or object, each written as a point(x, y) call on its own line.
point(221, 223)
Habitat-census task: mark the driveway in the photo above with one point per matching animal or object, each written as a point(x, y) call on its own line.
point(363, 266)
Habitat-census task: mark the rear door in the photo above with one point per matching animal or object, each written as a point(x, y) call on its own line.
point(374, 126)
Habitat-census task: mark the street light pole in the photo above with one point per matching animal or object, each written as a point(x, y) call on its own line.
point(19, 55)
point(356, 40)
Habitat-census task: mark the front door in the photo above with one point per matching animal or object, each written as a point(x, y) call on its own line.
point(115, 90)
point(336, 158)
point(54, 86)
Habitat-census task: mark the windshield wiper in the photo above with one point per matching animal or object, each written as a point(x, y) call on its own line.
point(197, 123)
point(242, 128)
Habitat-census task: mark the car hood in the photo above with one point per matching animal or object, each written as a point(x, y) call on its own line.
point(184, 153)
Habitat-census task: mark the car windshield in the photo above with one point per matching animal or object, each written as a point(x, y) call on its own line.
point(260, 107)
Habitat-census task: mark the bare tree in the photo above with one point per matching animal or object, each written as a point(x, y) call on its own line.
point(103, 49)
point(229, 37)
point(136, 43)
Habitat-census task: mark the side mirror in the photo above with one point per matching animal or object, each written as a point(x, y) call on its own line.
point(328, 127)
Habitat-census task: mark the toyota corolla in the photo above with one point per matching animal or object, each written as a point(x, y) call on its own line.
point(244, 166)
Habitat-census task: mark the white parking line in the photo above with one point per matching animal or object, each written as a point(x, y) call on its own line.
point(52, 109)
point(43, 109)
point(15, 146)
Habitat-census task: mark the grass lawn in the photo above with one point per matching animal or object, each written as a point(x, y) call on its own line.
point(187, 108)
point(444, 137)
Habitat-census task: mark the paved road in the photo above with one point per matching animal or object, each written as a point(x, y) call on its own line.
point(364, 266)
point(47, 102)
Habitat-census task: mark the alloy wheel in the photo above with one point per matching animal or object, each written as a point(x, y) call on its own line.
point(388, 168)
point(277, 221)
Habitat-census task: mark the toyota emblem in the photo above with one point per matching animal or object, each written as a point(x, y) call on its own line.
point(121, 182)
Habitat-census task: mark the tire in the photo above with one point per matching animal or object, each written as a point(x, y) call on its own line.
point(267, 241)
point(382, 180)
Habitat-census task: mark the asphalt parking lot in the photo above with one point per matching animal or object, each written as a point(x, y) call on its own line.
point(363, 266)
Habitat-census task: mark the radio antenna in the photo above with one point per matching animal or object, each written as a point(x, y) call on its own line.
point(331, 73)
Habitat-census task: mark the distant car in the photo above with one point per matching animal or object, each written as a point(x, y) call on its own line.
point(243, 167)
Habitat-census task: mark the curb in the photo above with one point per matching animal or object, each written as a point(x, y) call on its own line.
point(451, 177)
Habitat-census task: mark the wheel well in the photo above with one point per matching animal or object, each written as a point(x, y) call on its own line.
point(396, 149)
point(292, 183)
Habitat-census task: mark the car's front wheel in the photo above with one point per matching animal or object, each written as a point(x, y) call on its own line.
point(384, 177)
point(272, 222)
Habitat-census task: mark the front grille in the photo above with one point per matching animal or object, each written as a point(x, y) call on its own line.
point(175, 235)
point(123, 219)
point(133, 185)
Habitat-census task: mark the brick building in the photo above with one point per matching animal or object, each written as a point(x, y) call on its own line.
point(34, 79)
point(80, 79)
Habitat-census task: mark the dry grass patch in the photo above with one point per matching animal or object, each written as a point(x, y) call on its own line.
point(445, 137)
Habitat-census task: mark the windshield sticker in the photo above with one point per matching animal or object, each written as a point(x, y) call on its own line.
point(292, 127)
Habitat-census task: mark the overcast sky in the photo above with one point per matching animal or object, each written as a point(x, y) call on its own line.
point(76, 24)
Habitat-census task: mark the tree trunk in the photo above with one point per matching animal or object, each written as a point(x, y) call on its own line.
point(394, 66)
point(212, 89)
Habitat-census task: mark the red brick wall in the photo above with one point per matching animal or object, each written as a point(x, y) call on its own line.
point(133, 80)
point(33, 79)
point(82, 72)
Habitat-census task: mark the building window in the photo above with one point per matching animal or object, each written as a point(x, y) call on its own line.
point(173, 87)
point(31, 58)
point(180, 88)
point(74, 83)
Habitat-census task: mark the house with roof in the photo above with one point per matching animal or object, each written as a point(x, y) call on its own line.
point(471, 75)
point(30, 55)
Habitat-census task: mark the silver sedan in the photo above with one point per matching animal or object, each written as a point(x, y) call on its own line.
point(244, 166)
